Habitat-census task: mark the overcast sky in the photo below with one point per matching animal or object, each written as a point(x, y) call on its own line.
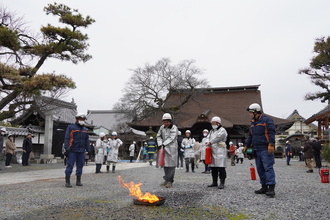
point(236, 42)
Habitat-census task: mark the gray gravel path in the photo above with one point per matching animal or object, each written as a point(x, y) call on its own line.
point(299, 195)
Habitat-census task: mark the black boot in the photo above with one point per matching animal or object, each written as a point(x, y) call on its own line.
point(222, 184)
point(271, 191)
point(67, 182)
point(263, 190)
point(215, 182)
point(108, 168)
point(78, 183)
point(113, 168)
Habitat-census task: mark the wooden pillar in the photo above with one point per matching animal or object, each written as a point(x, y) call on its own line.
point(326, 123)
point(319, 128)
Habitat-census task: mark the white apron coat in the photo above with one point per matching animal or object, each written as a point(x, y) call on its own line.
point(188, 146)
point(203, 148)
point(217, 138)
point(114, 145)
point(168, 138)
point(99, 150)
point(131, 150)
point(240, 153)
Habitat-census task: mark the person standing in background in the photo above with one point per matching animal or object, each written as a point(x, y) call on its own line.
point(232, 152)
point(27, 148)
point(180, 151)
point(2, 133)
point(308, 154)
point(317, 149)
point(288, 152)
point(131, 151)
point(189, 154)
point(10, 150)
point(100, 145)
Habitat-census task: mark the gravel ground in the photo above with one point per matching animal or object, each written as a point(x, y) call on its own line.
point(299, 195)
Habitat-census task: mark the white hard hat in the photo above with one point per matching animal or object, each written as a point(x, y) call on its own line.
point(167, 116)
point(255, 107)
point(179, 132)
point(216, 119)
point(81, 115)
point(205, 130)
point(3, 129)
point(287, 142)
point(230, 143)
point(102, 134)
point(114, 133)
point(188, 131)
point(151, 138)
point(134, 142)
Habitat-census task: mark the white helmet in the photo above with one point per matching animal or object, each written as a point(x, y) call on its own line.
point(205, 130)
point(167, 116)
point(114, 133)
point(81, 115)
point(102, 134)
point(255, 107)
point(134, 142)
point(151, 138)
point(179, 133)
point(216, 119)
point(188, 131)
point(231, 143)
point(3, 129)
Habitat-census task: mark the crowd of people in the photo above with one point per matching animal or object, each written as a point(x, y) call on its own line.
point(179, 152)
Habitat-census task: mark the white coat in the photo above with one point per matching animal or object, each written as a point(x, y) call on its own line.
point(188, 146)
point(239, 152)
point(131, 150)
point(203, 148)
point(217, 138)
point(99, 150)
point(114, 145)
point(168, 138)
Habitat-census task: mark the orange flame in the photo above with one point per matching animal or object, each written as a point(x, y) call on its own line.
point(135, 191)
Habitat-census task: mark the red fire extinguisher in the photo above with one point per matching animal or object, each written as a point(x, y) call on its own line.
point(252, 172)
point(161, 157)
point(208, 155)
point(324, 174)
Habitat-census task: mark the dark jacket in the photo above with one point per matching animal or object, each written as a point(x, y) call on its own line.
point(76, 138)
point(308, 149)
point(27, 144)
point(180, 148)
point(1, 143)
point(287, 149)
point(317, 147)
point(262, 133)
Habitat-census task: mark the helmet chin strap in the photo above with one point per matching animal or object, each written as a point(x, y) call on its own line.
point(256, 116)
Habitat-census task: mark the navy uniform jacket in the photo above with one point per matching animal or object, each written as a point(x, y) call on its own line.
point(76, 138)
point(261, 133)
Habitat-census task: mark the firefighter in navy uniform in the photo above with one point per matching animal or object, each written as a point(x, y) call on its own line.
point(262, 140)
point(151, 149)
point(76, 143)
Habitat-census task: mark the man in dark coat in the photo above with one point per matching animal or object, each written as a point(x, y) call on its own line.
point(317, 147)
point(2, 133)
point(308, 154)
point(27, 148)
